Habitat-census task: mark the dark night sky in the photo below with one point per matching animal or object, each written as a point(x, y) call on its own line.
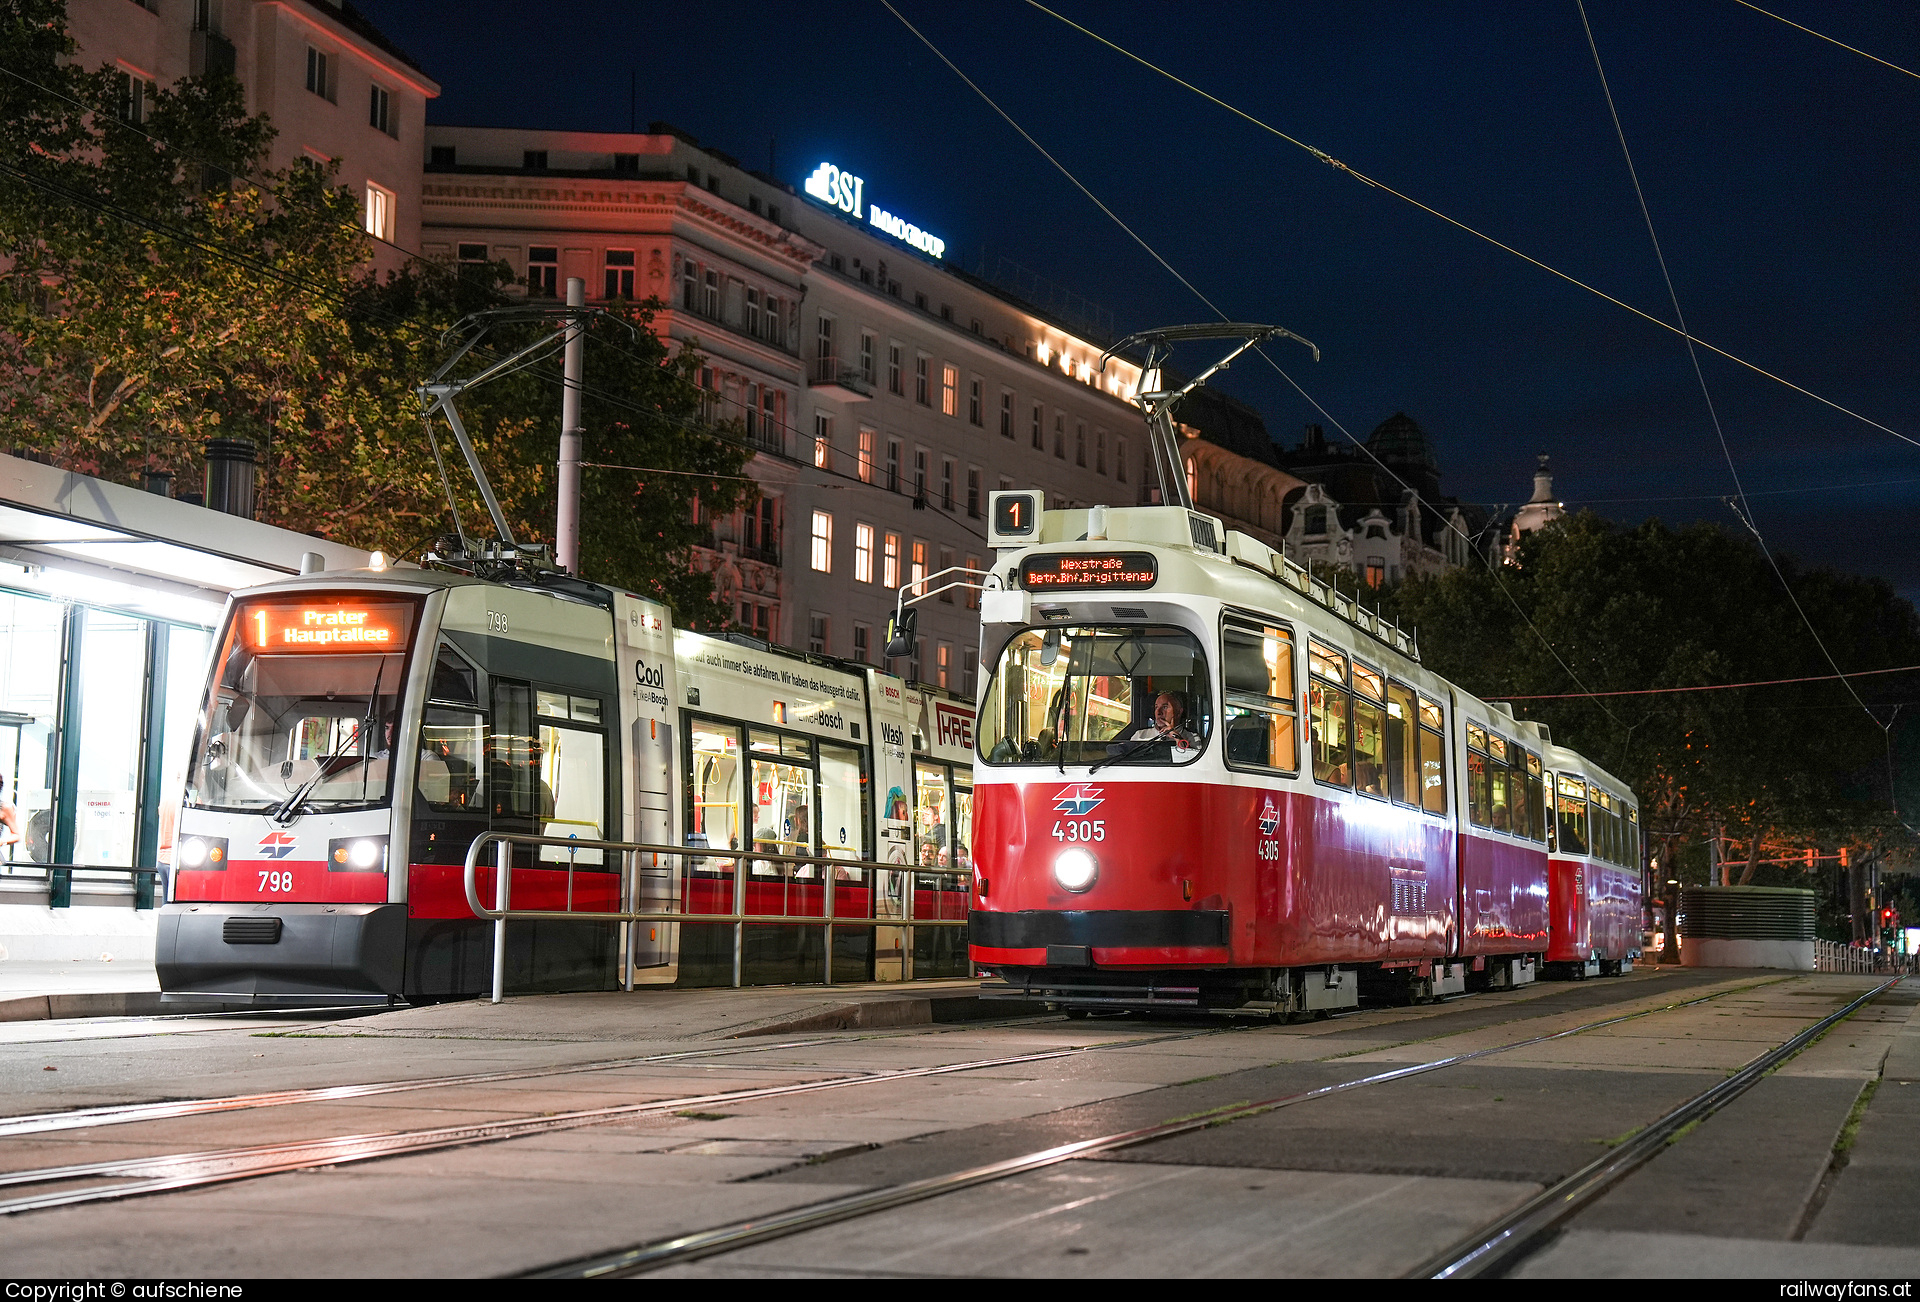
point(1781, 171)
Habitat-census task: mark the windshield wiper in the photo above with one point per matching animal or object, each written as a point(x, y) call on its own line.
point(287, 812)
point(1141, 743)
point(323, 769)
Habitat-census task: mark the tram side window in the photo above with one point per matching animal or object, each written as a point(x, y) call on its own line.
point(1479, 780)
point(1369, 732)
point(1257, 673)
point(452, 767)
point(782, 801)
point(1329, 709)
point(513, 760)
point(1500, 799)
point(1573, 815)
point(715, 791)
point(1403, 747)
point(843, 802)
point(1519, 808)
point(1536, 800)
point(453, 760)
point(1433, 758)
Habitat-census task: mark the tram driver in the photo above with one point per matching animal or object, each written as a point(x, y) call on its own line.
point(1170, 725)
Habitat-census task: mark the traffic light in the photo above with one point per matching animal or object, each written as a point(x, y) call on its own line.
point(1843, 856)
point(1889, 921)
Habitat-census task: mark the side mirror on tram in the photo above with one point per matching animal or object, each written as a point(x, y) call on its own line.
point(1049, 647)
point(900, 629)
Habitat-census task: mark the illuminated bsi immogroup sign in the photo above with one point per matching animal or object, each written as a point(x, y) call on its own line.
point(841, 189)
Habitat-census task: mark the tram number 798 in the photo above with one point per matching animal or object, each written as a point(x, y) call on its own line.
point(1083, 830)
point(275, 881)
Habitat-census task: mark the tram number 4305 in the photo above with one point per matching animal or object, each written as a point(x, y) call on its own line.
point(275, 881)
point(1083, 830)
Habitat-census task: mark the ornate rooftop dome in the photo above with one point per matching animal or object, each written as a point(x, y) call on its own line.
point(1399, 442)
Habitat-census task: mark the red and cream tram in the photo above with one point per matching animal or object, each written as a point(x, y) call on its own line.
point(1594, 882)
point(360, 729)
point(1206, 779)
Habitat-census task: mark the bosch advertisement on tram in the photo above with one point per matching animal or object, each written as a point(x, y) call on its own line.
point(360, 730)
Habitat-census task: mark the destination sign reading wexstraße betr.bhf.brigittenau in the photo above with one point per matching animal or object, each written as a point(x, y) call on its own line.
point(1107, 570)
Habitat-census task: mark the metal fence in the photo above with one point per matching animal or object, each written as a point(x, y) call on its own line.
point(1831, 956)
point(635, 858)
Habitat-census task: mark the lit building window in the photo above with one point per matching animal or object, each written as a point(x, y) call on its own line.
point(822, 542)
point(866, 455)
point(949, 391)
point(863, 553)
point(823, 442)
point(943, 660)
point(918, 574)
point(890, 561)
point(973, 599)
point(379, 212)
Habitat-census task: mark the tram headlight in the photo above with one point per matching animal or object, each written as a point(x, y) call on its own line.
point(1075, 869)
point(357, 854)
point(202, 853)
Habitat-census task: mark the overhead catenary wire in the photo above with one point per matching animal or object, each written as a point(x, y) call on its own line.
point(1711, 687)
point(1216, 309)
point(1340, 165)
point(1673, 295)
point(1854, 49)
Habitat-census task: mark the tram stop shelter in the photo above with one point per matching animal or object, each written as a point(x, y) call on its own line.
point(108, 600)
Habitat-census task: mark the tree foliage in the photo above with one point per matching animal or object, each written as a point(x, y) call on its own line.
point(1619, 609)
point(160, 285)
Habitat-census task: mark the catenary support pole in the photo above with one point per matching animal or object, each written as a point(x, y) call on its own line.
point(567, 527)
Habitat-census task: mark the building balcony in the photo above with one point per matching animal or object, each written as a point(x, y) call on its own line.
point(831, 379)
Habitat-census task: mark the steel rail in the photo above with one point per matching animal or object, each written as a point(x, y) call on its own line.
point(160, 1174)
point(1489, 1251)
point(778, 1225)
point(120, 1114)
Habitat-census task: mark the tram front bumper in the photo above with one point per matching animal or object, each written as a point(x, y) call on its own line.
point(1099, 937)
point(317, 954)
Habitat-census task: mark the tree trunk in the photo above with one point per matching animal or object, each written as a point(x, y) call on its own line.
point(1753, 860)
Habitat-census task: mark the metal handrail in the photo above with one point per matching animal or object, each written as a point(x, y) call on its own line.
point(629, 892)
point(59, 879)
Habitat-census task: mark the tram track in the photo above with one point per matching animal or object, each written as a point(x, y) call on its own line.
point(120, 1114)
point(165, 1173)
point(1486, 1252)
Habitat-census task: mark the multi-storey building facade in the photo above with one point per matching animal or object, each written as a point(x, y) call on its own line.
point(885, 393)
point(335, 89)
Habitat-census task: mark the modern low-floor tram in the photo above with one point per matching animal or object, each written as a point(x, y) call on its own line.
point(361, 729)
point(1206, 779)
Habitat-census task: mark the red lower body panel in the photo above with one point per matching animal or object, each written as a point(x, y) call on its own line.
point(1293, 878)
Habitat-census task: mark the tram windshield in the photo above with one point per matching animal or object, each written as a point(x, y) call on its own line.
point(1097, 695)
point(304, 703)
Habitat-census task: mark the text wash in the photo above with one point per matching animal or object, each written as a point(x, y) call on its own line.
point(845, 191)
